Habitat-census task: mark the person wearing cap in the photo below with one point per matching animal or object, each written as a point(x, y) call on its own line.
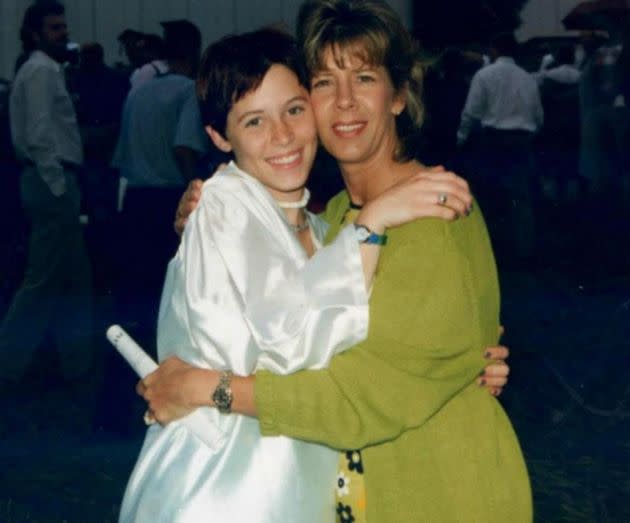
point(56, 291)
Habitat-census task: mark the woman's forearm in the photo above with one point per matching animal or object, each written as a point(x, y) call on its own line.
point(243, 390)
point(205, 381)
point(415, 197)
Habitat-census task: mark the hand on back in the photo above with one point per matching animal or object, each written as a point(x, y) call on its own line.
point(189, 201)
point(187, 204)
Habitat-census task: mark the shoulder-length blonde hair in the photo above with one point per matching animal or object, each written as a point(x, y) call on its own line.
point(372, 31)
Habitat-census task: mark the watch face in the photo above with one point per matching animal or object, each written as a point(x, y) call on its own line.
point(362, 232)
point(221, 397)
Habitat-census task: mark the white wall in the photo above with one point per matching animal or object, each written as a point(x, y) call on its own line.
point(10, 19)
point(544, 17)
point(103, 20)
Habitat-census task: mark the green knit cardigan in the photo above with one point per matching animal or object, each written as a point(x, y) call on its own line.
point(436, 447)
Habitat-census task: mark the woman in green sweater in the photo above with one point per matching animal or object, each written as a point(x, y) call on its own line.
point(434, 447)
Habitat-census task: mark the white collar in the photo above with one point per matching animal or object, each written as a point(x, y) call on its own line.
point(41, 56)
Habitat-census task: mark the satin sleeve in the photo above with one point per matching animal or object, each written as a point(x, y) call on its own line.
point(314, 312)
point(252, 295)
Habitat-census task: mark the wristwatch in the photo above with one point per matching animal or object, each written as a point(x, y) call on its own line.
point(365, 235)
point(222, 395)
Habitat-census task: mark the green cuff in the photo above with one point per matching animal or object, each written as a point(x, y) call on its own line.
point(263, 397)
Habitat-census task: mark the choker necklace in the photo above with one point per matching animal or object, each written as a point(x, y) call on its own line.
point(296, 205)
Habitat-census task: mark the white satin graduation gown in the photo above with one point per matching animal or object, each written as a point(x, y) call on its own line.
point(241, 294)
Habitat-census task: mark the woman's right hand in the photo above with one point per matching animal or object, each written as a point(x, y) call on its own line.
point(187, 204)
point(176, 388)
point(433, 193)
point(495, 376)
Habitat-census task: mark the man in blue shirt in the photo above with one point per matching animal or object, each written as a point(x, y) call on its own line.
point(160, 144)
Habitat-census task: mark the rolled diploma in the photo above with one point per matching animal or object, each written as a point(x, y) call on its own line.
point(142, 363)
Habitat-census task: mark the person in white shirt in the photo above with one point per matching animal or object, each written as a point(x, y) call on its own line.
point(558, 144)
point(563, 71)
point(154, 47)
point(504, 107)
point(56, 291)
point(502, 95)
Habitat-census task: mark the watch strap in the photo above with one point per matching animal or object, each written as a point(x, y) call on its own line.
point(366, 235)
point(222, 395)
point(376, 239)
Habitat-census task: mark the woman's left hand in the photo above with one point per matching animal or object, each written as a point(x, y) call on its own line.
point(495, 376)
point(430, 193)
point(173, 390)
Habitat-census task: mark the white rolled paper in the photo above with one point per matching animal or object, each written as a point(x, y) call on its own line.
point(197, 421)
point(139, 360)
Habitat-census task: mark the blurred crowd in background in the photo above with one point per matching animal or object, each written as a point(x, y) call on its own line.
point(578, 172)
point(554, 184)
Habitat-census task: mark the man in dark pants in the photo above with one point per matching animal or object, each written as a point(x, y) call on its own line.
point(504, 104)
point(56, 291)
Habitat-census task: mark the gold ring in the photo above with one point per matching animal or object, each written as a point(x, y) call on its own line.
point(148, 418)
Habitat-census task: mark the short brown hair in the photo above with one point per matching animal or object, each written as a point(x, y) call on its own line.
point(372, 31)
point(236, 65)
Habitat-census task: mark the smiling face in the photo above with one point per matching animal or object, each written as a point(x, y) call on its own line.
point(271, 132)
point(355, 107)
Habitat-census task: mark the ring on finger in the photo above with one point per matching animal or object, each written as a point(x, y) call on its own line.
point(149, 418)
point(442, 198)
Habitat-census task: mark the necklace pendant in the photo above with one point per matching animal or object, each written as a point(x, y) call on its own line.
point(299, 227)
